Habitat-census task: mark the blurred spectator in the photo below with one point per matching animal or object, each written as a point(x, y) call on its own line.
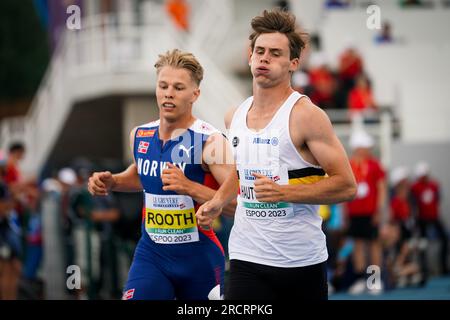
point(283, 5)
point(411, 3)
point(330, 4)
point(399, 204)
point(343, 276)
point(12, 176)
point(2, 166)
point(67, 179)
point(10, 248)
point(350, 67)
point(178, 10)
point(404, 269)
point(104, 215)
point(426, 195)
point(18, 188)
point(332, 226)
point(322, 81)
point(360, 98)
point(364, 212)
point(80, 209)
point(386, 34)
point(67, 187)
point(315, 42)
point(33, 251)
point(397, 273)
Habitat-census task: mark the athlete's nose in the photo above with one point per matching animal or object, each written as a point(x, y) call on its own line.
point(169, 93)
point(265, 57)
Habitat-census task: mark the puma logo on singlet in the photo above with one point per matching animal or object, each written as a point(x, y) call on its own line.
point(183, 148)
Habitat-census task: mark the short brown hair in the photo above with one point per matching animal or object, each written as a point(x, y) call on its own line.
point(280, 21)
point(184, 60)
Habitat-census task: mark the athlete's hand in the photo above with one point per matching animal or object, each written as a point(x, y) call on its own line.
point(173, 179)
point(100, 183)
point(266, 190)
point(208, 212)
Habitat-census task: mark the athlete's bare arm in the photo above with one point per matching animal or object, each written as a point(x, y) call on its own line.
point(215, 153)
point(221, 164)
point(313, 136)
point(227, 193)
point(126, 181)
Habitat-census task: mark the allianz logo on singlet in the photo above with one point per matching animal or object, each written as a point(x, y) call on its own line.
point(273, 141)
point(256, 147)
point(155, 168)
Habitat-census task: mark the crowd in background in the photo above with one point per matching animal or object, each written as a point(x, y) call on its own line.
point(348, 87)
point(95, 232)
point(392, 223)
point(98, 234)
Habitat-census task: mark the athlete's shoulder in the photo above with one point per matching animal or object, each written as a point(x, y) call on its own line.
point(305, 110)
point(149, 125)
point(304, 105)
point(229, 115)
point(204, 127)
point(232, 112)
point(145, 130)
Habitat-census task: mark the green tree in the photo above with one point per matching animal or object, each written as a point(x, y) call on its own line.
point(24, 50)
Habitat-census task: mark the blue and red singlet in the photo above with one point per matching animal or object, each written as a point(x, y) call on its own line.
point(175, 258)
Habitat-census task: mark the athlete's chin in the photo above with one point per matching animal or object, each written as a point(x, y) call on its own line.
point(169, 117)
point(261, 75)
point(264, 82)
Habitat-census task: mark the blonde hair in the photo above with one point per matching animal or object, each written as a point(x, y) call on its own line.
point(179, 59)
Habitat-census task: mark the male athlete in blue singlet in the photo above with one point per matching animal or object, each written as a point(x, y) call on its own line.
point(177, 161)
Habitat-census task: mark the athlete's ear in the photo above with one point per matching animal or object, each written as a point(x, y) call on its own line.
point(196, 94)
point(294, 64)
point(249, 55)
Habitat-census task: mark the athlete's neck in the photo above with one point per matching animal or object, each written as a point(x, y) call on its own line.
point(269, 99)
point(172, 129)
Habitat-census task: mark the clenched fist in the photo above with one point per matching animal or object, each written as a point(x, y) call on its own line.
point(100, 183)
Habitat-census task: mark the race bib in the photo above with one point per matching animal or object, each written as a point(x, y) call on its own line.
point(254, 209)
point(170, 219)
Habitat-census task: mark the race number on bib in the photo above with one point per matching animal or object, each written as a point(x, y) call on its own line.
point(170, 219)
point(255, 209)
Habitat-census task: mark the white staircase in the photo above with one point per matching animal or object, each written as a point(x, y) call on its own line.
point(116, 56)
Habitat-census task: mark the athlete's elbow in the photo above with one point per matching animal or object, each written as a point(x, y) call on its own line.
point(349, 191)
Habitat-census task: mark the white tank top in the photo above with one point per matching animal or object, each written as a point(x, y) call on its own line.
point(276, 234)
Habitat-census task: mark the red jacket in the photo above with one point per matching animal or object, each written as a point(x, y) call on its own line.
point(400, 209)
point(426, 196)
point(367, 173)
